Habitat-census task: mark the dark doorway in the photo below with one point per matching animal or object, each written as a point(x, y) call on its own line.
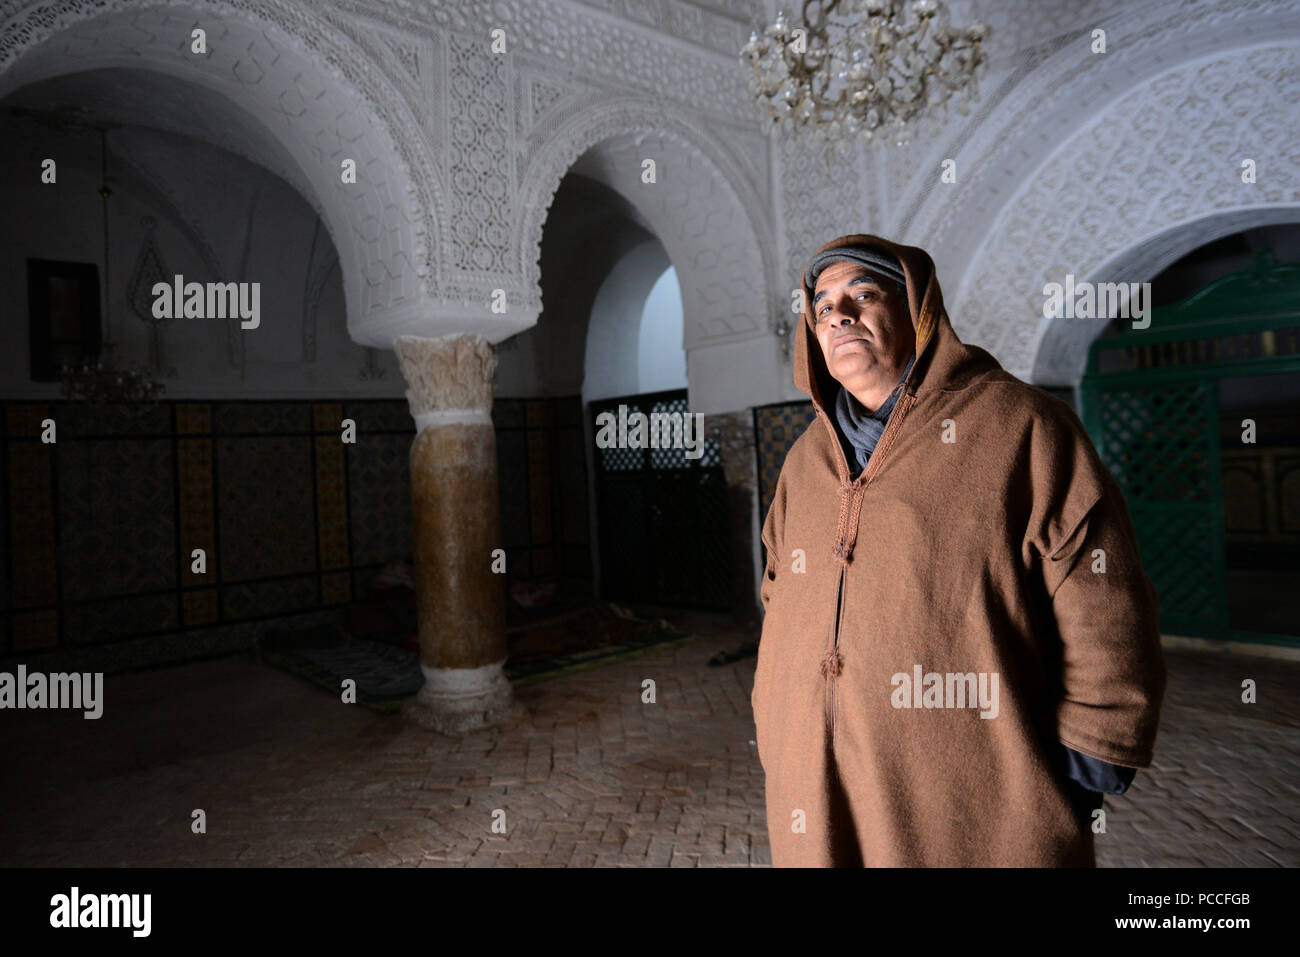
point(661, 515)
point(1261, 500)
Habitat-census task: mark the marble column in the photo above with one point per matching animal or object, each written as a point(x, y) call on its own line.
point(460, 600)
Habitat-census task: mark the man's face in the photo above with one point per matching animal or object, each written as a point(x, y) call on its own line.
point(865, 330)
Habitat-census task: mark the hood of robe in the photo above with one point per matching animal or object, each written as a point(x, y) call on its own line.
point(942, 362)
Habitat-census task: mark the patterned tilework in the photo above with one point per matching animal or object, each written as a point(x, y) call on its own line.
point(266, 418)
point(196, 512)
point(328, 417)
point(775, 429)
point(116, 515)
point(92, 622)
point(538, 413)
point(29, 507)
point(542, 482)
point(331, 487)
point(31, 523)
point(360, 578)
point(540, 438)
point(379, 494)
point(512, 489)
point(539, 481)
point(336, 588)
point(267, 520)
point(34, 630)
point(23, 419)
point(199, 607)
point(568, 412)
point(331, 502)
point(289, 516)
point(79, 421)
point(389, 415)
point(197, 516)
point(281, 596)
point(508, 414)
point(192, 417)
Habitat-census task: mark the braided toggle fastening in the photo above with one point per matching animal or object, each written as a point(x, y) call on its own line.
point(832, 664)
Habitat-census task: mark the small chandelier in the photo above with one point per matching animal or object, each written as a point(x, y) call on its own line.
point(104, 380)
point(876, 69)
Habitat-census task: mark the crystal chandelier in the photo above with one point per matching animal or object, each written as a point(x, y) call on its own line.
point(106, 380)
point(864, 68)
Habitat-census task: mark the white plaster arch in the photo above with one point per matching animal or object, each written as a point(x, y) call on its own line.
point(1050, 90)
point(1063, 351)
point(301, 83)
point(1162, 155)
point(611, 365)
point(713, 225)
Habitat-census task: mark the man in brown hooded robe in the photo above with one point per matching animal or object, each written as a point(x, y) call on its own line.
point(960, 650)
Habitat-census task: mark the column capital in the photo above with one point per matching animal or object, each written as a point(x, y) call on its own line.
point(447, 377)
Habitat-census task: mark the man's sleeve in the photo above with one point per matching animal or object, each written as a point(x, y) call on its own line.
point(1091, 780)
point(1100, 776)
point(1105, 606)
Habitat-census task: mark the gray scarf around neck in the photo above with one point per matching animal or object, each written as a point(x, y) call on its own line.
point(859, 429)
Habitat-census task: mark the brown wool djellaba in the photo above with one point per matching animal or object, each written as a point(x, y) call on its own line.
point(977, 555)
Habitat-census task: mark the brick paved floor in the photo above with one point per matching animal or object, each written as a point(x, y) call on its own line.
point(593, 777)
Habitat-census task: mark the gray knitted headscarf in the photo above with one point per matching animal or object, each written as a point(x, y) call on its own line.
point(877, 262)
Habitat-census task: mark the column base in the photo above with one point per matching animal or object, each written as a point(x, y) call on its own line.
point(457, 701)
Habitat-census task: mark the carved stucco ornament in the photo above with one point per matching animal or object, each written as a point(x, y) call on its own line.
point(448, 373)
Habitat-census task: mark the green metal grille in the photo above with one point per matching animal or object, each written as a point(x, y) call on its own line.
point(1161, 444)
point(1158, 443)
point(1150, 402)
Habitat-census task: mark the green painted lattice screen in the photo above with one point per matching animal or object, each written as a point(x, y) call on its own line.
point(1150, 404)
point(1161, 444)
